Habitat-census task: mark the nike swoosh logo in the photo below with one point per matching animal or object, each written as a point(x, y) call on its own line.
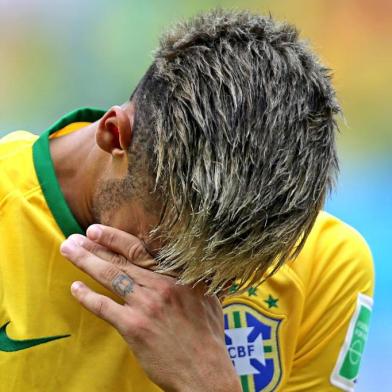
point(9, 345)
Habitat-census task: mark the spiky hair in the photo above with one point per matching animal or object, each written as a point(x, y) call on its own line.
point(236, 118)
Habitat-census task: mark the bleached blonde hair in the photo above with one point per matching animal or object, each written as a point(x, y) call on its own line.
point(235, 121)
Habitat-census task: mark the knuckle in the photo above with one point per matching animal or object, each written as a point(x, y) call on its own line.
point(141, 330)
point(135, 251)
point(118, 260)
point(109, 273)
point(94, 248)
point(109, 238)
point(100, 307)
point(153, 307)
point(166, 291)
point(140, 325)
point(136, 329)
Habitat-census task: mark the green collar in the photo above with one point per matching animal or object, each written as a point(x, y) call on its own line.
point(46, 174)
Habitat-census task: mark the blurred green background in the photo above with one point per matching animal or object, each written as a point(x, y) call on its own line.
point(58, 55)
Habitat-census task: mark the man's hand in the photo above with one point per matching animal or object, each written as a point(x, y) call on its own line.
point(175, 331)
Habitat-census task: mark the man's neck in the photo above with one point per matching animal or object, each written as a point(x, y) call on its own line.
point(77, 164)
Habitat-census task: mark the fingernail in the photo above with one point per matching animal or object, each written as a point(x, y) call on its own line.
point(94, 232)
point(67, 247)
point(77, 239)
point(75, 286)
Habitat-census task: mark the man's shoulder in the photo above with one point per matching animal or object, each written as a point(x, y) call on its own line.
point(332, 237)
point(333, 246)
point(13, 139)
point(14, 146)
point(16, 163)
point(329, 228)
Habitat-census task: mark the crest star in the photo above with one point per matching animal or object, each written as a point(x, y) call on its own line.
point(233, 289)
point(271, 301)
point(252, 291)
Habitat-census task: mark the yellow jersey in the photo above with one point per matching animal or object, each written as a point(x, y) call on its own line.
point(302, 330)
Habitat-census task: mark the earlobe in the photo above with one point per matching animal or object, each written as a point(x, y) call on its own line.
point(114, 131)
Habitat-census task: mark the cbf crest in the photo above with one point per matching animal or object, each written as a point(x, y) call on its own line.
point(253, 345)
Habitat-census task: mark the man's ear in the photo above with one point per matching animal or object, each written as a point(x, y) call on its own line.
point(114, 132)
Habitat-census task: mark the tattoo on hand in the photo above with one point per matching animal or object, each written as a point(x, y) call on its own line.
point(122, 284)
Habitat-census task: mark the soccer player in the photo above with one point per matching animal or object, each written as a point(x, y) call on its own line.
point(212, 175)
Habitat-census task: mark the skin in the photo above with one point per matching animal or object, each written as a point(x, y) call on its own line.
point(162, 322)
point(175, 331)
point(97, 153)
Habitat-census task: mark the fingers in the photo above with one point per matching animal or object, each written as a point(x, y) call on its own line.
point(103, 307)
point(122, 243)
point(119, 278)
point(100, 251)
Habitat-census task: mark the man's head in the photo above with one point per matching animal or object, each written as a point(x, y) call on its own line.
point(232, 149)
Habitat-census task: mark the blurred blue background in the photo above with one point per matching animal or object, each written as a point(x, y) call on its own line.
point(58, 55)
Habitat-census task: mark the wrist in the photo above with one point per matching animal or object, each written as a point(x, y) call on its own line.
point(219, 385)
point(220, 381)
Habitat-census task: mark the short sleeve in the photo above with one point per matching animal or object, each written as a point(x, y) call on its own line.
point(338, 300)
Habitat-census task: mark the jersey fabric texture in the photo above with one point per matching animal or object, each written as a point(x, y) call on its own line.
point(302, 330)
